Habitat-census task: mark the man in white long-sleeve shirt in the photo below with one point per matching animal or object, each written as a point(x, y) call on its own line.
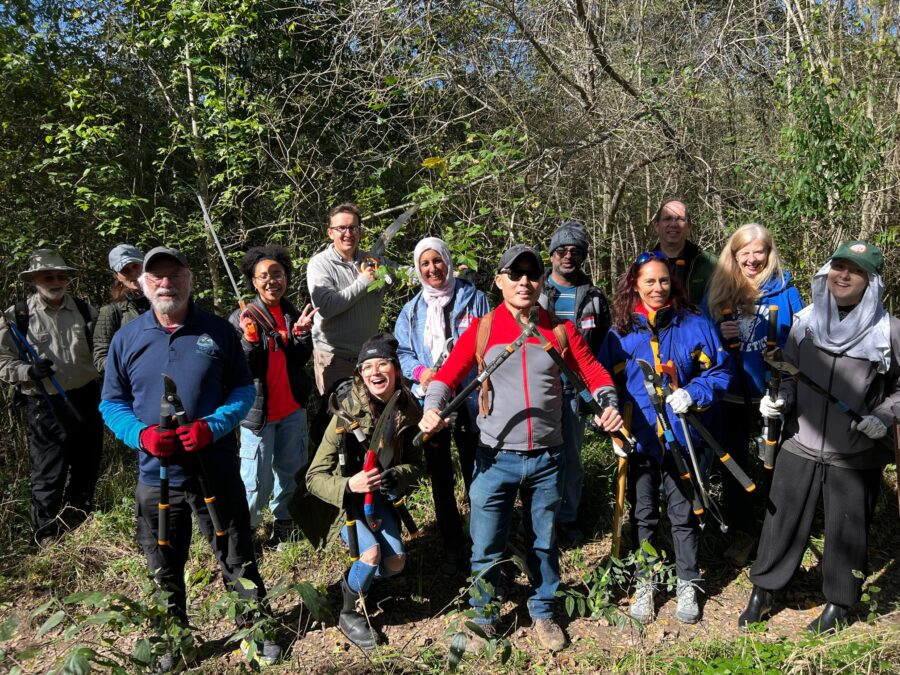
point(339, 286)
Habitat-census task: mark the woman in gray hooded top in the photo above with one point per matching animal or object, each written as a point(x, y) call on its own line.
point(847, 344)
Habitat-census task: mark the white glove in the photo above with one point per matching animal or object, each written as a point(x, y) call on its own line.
point(770, 409)
point(680, 401)
point(871, 426)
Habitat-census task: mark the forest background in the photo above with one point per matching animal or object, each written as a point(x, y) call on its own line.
point(500, 118)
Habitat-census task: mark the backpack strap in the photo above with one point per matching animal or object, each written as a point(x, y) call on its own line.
point(85, 310)
point(482, 335)
point(21, 313)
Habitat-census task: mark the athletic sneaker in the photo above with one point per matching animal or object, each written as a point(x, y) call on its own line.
point(687, 610)
point(641, 607)
point(267, 653)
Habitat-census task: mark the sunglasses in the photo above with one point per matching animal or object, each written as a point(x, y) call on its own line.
point(647, 256)
point(533, 274)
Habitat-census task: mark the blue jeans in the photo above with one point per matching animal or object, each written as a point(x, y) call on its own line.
point(387, 538)
point(572, 471)
point(269, 462)
point(499, 477)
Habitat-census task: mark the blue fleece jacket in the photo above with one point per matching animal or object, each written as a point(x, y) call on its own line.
point(702, 365)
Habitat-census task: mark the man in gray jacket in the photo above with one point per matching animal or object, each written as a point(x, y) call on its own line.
point(349, 313)
point(568, 294)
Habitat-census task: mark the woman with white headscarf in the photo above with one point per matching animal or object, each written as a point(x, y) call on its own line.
point(426, 329)
point(848, 345)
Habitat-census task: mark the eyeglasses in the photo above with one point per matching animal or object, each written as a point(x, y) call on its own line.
point(532, 273)
point(277, 276)
point(173, 276)
point(573, 251)
point(672, 219)
point(647, 256)
point(372, 365)
point(352, 229)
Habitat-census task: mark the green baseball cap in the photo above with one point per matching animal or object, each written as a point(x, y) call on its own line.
point(45, 260)
point(862, 253)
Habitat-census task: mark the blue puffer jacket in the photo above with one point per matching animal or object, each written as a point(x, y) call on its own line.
point(755, 329)
point(702, 365)
point(468, 303)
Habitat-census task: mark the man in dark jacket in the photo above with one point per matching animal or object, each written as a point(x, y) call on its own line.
point(569, 295)
point(692, 264)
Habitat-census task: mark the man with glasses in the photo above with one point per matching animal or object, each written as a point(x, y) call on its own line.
point(338, 280)
point(202, 355)
point(521, 442)
point(65, 450)
point(690, 263)
point(569, 295)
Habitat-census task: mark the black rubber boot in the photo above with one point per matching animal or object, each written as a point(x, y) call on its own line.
point(352, 623)
point(759, 605)
point(832, 619)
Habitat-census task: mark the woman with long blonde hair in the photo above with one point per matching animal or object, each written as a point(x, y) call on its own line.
point(748, 280)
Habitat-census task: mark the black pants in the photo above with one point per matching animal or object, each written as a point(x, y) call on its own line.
point(644, 479)
point(234, 551)
point(849, 501)
point(739, 507)
point(65, 456)
point(439, 465)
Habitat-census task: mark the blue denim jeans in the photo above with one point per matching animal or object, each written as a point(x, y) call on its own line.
point(572, 471)
point(269, 462)
point(499, 477)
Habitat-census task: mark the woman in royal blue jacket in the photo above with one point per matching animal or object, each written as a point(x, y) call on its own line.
point(748, 281)
point(654, 321)
point(426, 328)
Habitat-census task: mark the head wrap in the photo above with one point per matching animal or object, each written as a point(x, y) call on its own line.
point(435, 298)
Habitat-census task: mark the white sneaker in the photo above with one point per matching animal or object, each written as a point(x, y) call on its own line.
point(687, 611)
point(641, 607)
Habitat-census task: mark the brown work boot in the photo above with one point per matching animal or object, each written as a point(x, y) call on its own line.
point(549, 634)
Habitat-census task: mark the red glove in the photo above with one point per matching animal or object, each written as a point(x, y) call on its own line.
point(195, 436)
point(159, 442)
point(248, 327)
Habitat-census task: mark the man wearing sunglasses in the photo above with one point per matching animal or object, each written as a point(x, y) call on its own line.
point(690, 263)
point(520, 448)
point(339, 287)
point(569, 295)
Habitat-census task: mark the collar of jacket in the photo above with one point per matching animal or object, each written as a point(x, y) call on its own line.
point(657, 321)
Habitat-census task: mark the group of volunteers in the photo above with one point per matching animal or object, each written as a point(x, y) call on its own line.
point(695, 359)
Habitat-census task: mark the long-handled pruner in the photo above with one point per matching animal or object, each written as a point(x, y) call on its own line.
point(371, 460)
point(30, 355)
point(653, 385)
point(724, 457)
point(171, 395)
point(166, 421)
point(773, 426)
point(489, 369)
point(620, 437)
point(776, 361)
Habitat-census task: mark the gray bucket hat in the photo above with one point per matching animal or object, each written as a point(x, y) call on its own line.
point(45, 260)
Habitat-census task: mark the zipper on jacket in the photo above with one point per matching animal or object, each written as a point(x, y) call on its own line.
point(527, 398)
point(825, 416)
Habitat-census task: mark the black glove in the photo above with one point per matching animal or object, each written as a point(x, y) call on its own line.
point(40, 369)
point(390, 479)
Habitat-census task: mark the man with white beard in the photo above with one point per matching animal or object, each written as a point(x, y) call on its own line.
point(65, 442)
point(201, 354)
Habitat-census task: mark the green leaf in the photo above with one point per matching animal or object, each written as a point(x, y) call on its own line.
point(143, 652)
point(51, 623)
point(457, 649)
point(8, 628)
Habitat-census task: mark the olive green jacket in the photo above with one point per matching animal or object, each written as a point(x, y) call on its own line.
point(321, 513)
point(111, 318)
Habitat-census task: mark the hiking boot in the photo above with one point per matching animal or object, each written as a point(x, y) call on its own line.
point(549, 635)
point(475, 643)
point(282, 532)
point(267, 653)
point(569, 534)
point(453, 562)
point(352, 623)
point(758, 606)
point(740, 550)
point(687, 610)
point(641, 607)
point(832, 619)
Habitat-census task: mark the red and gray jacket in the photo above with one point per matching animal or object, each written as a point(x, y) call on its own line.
point(527, 391)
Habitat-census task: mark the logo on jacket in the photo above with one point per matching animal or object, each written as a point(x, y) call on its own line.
point(465, 321)
point(206, 345)
point(588, 322)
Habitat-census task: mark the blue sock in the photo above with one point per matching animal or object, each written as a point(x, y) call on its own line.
point(359, 578)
